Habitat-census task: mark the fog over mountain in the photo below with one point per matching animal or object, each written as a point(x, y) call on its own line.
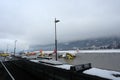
point(88, 44)
point(31, 22)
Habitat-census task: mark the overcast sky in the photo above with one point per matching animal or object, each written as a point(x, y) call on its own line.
point(31, 22)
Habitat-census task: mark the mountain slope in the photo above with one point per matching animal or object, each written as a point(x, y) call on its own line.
point(100, 43)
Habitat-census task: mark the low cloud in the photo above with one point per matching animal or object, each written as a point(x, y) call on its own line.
point(32, 22)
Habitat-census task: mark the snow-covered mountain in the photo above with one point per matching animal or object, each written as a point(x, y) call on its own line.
point(99, 43)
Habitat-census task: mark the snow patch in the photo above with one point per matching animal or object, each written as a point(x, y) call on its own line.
point(35, 61)
point(103, 73)
point(101, 51)
point(65, 66)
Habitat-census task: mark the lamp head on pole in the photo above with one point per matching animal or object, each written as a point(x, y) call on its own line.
point(56, 21)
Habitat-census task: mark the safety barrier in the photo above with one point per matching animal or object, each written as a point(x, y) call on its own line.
point(47, 72)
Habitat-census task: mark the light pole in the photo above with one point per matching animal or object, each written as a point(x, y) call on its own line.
point(15, 47)
point(7, 48)
point(56, 21)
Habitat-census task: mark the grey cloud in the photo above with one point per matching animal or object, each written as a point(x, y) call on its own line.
point(33, 21)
